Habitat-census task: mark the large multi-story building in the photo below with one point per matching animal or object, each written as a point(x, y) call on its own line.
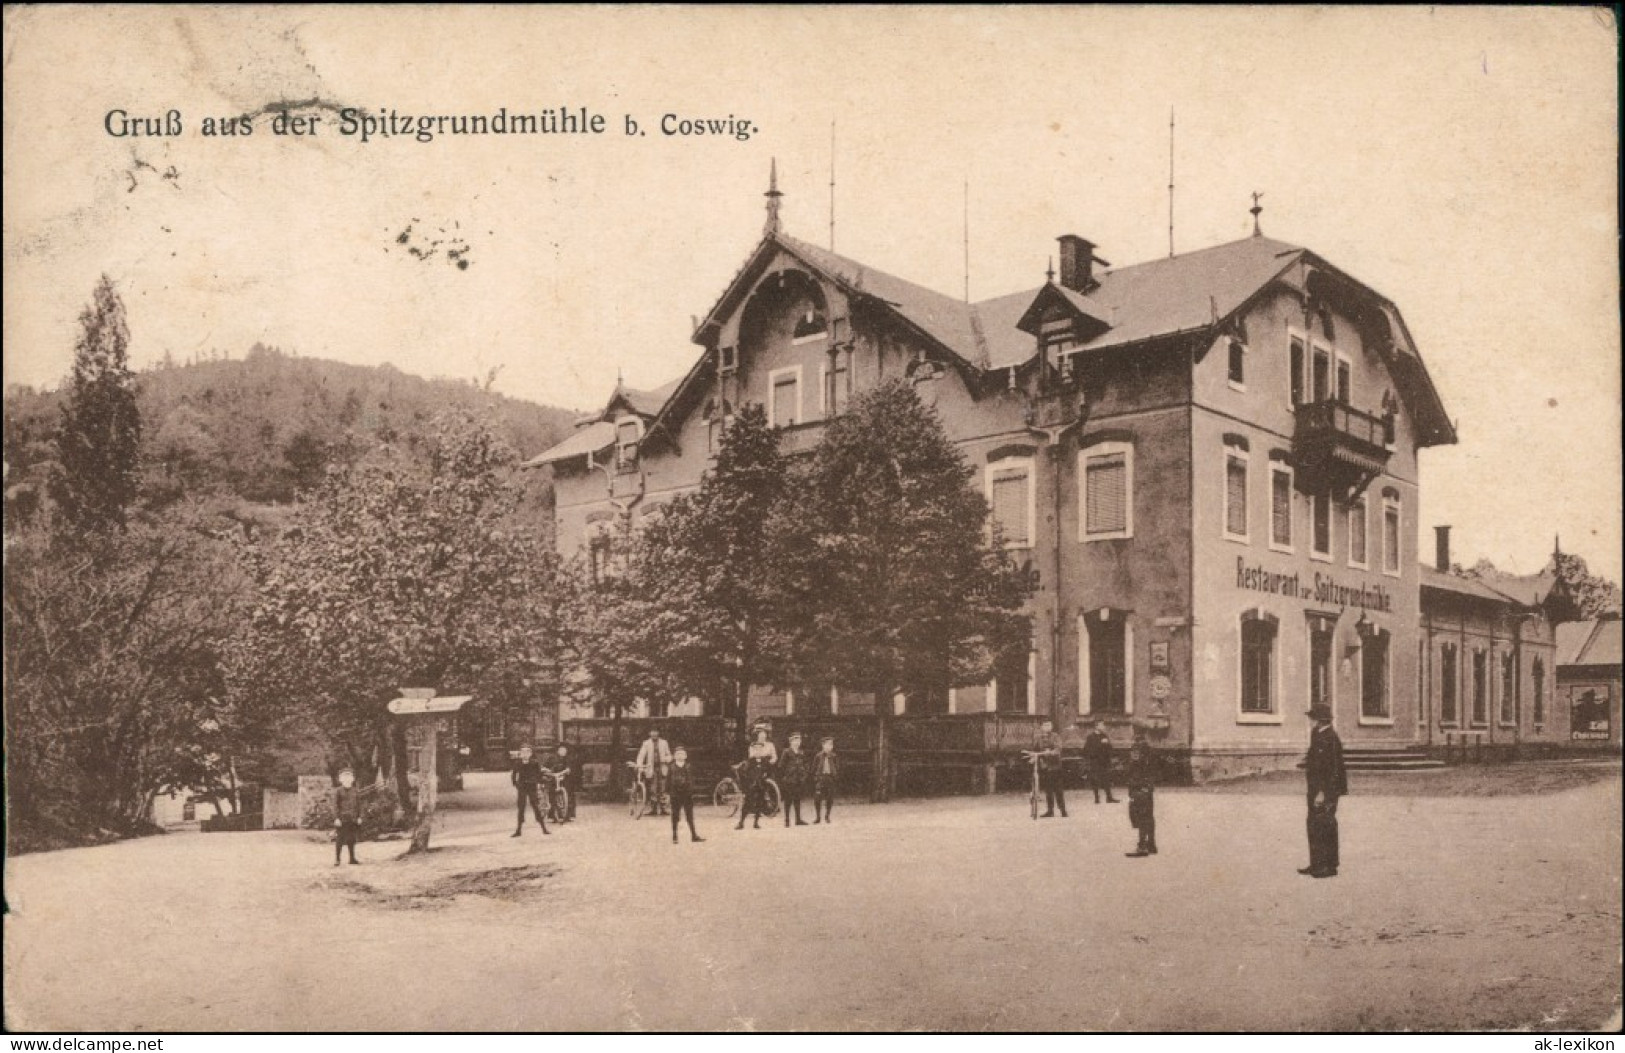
point(1209, 462)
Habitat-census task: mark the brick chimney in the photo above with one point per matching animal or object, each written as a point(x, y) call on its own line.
point(1441, 548)
point(1077, 262)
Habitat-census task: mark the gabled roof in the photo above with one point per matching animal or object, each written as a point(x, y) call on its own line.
point(1592, 642)
point(643, 403)
point(1433, 578)
point(588, 439)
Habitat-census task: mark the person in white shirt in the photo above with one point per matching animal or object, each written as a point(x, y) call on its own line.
point(654, 760)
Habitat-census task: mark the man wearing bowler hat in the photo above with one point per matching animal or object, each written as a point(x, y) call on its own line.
point(1328, 781)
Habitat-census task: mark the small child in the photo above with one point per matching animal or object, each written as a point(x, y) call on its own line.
point(346, 816)
point(1141, 775)
point(826, 769)
point(680, 791)
point(793, 778)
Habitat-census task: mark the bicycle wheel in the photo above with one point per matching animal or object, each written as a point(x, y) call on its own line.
point(728, 797)
point(561, 804)
point(770, 798)
point(638, 800)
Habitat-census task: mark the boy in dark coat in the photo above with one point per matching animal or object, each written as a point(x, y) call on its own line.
point(793, 775)
point(826, 771)
point(1328, 780)
point(346, 816)
point(680, 789)
point(527, 777)
point(559, 764)
point(1141, 776)
point(1097, 754)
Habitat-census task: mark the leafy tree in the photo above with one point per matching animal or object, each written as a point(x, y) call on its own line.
point(100, 435)
point(1577, 593)
point(887, 571)
point(406, 572)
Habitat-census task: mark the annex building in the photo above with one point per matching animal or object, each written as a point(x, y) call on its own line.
point(1209, 464)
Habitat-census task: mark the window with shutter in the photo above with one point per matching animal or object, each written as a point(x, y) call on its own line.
point(1235, 496)
point(784, 409)
point(1390, 537)
point(1357, 533)
point(1009, 498)
point(1321, 510)
point(1108, 491)
point(1281, 507)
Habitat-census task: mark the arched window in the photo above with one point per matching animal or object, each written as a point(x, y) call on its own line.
point(1375, 697)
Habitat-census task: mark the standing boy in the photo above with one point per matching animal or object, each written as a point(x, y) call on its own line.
point(346, 816)
point(1097, 754)
point(826, 771)
point(559, 764)
point(527, 777)
point(1141, 776)
point(793, 778)
point(680, 787)
point(1047, 746)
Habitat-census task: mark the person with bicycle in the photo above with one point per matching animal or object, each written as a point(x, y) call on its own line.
point(759, 761)
point(680, 787)
point(654, 760)
point(1047, 752)
point(527, 778)
point(563, 773)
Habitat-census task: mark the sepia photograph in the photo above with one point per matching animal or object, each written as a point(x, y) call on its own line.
point(485, 486)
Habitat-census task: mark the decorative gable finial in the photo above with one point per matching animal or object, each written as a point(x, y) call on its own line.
point(1049, 272)
point(772, 195)
point(1256, 210)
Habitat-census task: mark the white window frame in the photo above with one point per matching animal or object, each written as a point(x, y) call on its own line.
point(1399, 537)
point(1309, 663)
point(1319, 347)
point(1340, 359)
point(772, 396)
point(1478, 652)
point(1282, 468)
point(1364, 507)
point(1026, 463)
point(1241, 455)
point(1388, 688)
point(1086, 702)
point(1318, 555)
point(1302, 338)
point(621, 461)
point(1106, 449)
point(1235, 385)
point(1276, 714)
point(1450, 653)
point(1503, 699)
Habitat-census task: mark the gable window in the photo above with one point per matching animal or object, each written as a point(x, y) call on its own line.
point(1258, 632)
point(784, 406)
point(1280, 507)
point(1509, 689)
point(1107, 492)
point(628, 431)
point(1321, 379)
point(1449, 674)
point(1357, 533)
point(1235, 493)
point(809, 323)
point(1539, 684)
point(1105, 646)
point(1238, 365)
point(1375, 705)
point(1296, 366)
point(727, 359)
point(1390, 533)
point(1320, 515)
point(1010, 496)
point(1481, 687)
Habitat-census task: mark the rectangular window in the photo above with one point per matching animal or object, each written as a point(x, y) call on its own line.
point(1357, 533)
point(784, 409)
point(837, 385)
point(1320, 507)
point(1297, 372)
point(1108, 663)
point(1449, 667)
point(1320, 664)
point(1010, 680)
point(627, 433)
point(1257, 665)
point(1238, 365)
point(1281, 507)
point(1107, 492)
point(1235, 495)
point(1323, 375)
point(1481, 688)
point(1009, 494)
point(1390, 536)
point(1374, 704)
point(1345, 382)
point(1509, 690)
point(1539, 678)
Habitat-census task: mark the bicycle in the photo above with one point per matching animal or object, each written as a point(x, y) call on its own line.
point(637, 797)
point(729, 796)
point(558, 796)
point(1031, 757)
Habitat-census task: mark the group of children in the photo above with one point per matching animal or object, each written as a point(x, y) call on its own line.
point(795, 773)
point(1140, 774)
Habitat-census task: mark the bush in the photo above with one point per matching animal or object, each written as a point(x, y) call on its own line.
point(379, 808)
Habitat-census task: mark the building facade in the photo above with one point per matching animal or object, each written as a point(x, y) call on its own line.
point(1208, 463)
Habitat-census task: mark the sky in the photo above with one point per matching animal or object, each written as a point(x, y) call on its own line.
point(1462, 162)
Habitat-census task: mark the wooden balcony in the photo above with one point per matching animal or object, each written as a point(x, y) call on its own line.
point(1339, 446)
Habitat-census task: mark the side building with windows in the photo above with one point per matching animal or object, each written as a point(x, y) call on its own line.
point(1207, 464)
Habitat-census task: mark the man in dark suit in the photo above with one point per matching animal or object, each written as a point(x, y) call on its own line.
point(1047, 747)
point(1327, 781)
point(1097, 754)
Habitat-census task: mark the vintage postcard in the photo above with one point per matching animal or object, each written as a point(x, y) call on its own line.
point(487, 487)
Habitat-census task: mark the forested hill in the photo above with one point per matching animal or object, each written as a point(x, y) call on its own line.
point(264, 427)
